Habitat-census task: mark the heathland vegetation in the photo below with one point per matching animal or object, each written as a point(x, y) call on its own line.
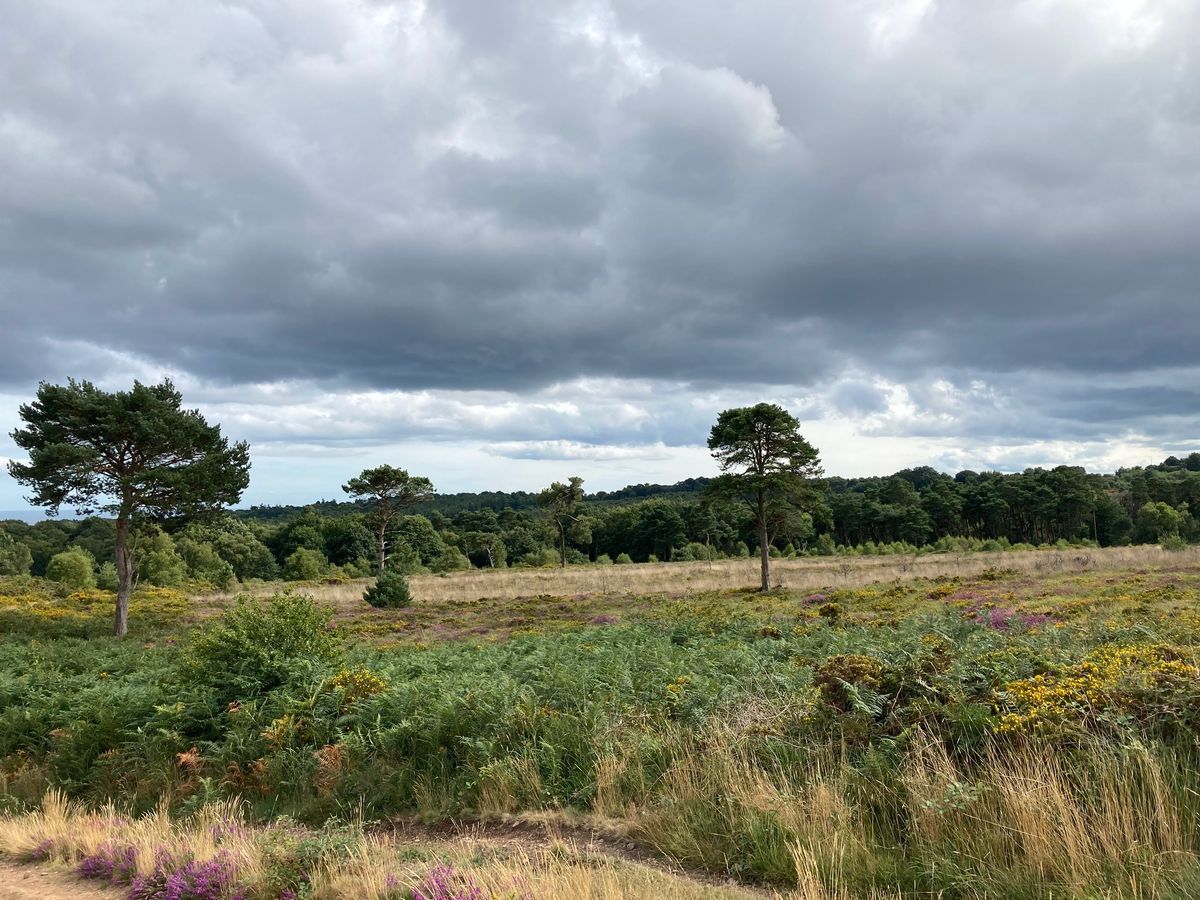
point(910, 709)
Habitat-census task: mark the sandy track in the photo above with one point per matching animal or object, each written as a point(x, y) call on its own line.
point(32, 882)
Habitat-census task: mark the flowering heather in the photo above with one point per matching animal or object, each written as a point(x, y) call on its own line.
point(194, 880)
point(967, 594)
point(606, 619)
point(42, 852)
point(815, 598)
point(115, 864)
point(1004, 619)
point(444, 883)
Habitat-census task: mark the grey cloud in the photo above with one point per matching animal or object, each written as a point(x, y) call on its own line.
point(509, 196)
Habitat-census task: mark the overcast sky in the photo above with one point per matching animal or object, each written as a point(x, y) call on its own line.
point(503, 243)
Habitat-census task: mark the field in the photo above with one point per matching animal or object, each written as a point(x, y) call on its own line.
point(1012, 725)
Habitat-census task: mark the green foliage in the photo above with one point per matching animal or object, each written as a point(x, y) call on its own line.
point(237, 544)
point(390, 591)
point(106, 577)
point(157, 561)
point(73, 568)
point(623, 559)
point(406, 561)
point(1156, 520)
point(767, 464)
point(15, 557)
point(561, 503)
point(451, 560)
point(204, 564)
point(257, 645)
point(130, 453)
point(388, 490)
point(544, 558)
point(305, 565)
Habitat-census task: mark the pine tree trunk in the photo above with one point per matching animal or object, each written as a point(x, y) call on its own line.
point(125, 574)
point(764, 548)
point(765, 557)
point(382, 548)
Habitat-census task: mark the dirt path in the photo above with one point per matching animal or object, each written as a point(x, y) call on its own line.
point(33, 882)
point(585, 841)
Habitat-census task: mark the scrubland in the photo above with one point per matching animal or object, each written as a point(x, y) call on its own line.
point(1020, 726)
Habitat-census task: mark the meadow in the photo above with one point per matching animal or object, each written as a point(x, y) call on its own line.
point(1020, 725)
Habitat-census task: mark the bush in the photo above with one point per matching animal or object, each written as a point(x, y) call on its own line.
point(106, 578)
point(255, 646)
point(604, 560)
point(15, 558)
point(72, 568)
point(156, 560)
point(305, 565)
point(204, 563)
point(358, 568)
point(451, 560)
point(406, 561)
point(544, 558)
point(623, 559)
point(390, 591)
point(1172, 542)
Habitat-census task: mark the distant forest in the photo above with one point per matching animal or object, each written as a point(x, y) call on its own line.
point(913, 510)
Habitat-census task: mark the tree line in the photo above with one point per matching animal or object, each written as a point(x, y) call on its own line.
point(156, 482)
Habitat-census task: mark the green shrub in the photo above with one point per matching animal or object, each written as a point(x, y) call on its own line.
point(358, 568)
point(623, 559)
point(156, 560)
point(106, 577)
point(544, 558)
point(1172, 542)
point(15, 558)
point(390, 591)
point(451, 560)
point(204, 563)
point(407, 561)
point(305, 564)
point(74, 568)
point(256, 645)
point(604, 560)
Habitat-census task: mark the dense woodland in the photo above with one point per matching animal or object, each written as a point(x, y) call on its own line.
point(913, 509)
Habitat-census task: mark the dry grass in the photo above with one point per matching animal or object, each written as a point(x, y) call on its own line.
point(375, 867)
point(689, 578)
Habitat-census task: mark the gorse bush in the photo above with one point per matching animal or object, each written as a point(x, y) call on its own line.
point(257, 645)
point(390, 591)
point(74, 568)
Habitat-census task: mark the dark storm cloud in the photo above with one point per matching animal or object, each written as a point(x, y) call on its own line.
point(504, 196)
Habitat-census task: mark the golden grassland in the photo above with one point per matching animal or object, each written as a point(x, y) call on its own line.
point(802, 574)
